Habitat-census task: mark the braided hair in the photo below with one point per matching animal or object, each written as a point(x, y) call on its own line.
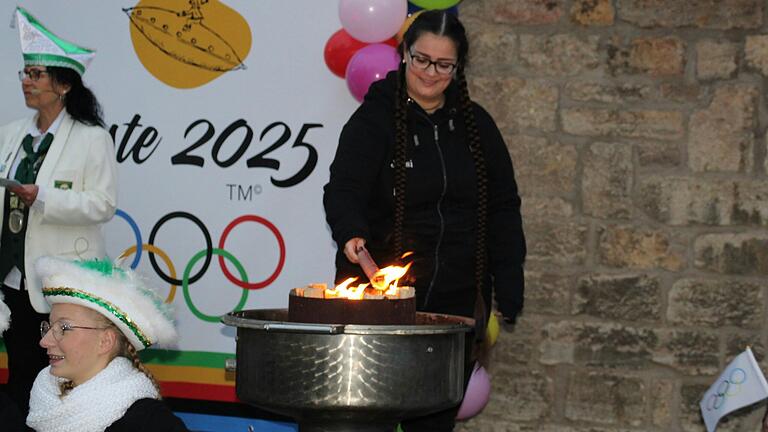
point(441, 23)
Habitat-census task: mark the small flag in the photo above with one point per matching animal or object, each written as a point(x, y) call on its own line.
point(741, 384)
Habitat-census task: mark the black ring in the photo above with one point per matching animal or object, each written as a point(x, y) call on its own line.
point(208, 247)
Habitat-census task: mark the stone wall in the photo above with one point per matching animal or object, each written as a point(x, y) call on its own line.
point(638, 133)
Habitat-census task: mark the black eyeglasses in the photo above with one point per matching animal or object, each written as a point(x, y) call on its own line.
point(59, 328)
point(32, 74)
point(423, 63)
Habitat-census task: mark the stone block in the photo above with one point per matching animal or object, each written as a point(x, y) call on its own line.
point(657, 56)
point(516, 103)
point(494, 51)
point(525, 12)
point(691, 352)
point(621, 400)
point(545, 167)
point(626, 246)
point(601, 345)
point(619, 93)
point(662, 125)
point(626, 297)
point(548, 293)
point(715, 303)
point(563, 243)
point(559, 55)
point(756, 52)
point(698, 200)
point(592, 12)
point(721, 136)
point(705, 14)
point(743, 254)
point(681, 92)
point(529, 391)
point(658, 153)
point(715, 60)
point(661, 394)
point(518, 345)
point(606, 184)
point(546, 207)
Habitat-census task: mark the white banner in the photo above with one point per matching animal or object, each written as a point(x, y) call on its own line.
point(218, 162)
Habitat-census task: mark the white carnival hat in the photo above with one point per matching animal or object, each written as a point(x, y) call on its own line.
point(40, 47)
point(119, 294)
point(5, 315)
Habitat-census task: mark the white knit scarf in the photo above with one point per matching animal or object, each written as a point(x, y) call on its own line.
point(91, 406)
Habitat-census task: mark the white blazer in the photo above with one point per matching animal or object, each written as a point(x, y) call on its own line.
point(80, 176)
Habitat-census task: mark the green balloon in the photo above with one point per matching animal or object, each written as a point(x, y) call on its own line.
point(435, 4)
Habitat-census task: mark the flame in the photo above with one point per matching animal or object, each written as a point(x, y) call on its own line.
point(384, 283)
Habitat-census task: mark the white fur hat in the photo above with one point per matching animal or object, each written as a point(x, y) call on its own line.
point(119, 294)
point(5, 315)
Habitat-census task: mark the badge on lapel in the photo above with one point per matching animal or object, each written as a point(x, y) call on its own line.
point(63, 185)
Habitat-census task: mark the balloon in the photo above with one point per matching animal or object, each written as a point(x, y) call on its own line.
point(492, 332)
point(435, 4)
point(339, 49)
point(372, 20)
point(407, 23)
point(477, 394)
point(412, 8)
point(370, 64)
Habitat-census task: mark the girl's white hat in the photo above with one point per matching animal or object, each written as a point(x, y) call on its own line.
point(119, 294)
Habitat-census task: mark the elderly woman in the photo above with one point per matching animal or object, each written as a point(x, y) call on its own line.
point(59, 175)
point(100, 317)
point(420, 167)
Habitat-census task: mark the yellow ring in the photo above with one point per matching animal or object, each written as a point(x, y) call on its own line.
point(154, 249)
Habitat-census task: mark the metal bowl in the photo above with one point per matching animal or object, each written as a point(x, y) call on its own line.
point(335, 377)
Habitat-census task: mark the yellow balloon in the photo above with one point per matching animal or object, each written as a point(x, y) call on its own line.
point(407, 23)
point(492, 331)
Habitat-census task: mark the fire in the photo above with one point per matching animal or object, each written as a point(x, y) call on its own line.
point(384, 285)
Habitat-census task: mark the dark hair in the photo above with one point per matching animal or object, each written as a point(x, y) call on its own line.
point(79, 101)
point(441, 23)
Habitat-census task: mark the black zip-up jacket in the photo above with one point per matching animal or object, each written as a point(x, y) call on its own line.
point(441, 201)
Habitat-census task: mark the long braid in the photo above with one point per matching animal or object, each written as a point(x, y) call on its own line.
point(134, 357)
point(473, 134)
point(400, 156)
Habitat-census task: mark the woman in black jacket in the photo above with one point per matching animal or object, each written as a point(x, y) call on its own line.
point(421, 168)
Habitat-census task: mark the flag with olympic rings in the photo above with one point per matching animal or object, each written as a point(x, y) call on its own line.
point(741, 384)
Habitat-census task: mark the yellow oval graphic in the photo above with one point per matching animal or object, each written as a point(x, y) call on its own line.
point(188, 43)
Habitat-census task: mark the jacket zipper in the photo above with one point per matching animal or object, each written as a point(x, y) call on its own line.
point(439, 213)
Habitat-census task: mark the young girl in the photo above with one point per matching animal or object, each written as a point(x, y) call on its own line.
point(100, 317)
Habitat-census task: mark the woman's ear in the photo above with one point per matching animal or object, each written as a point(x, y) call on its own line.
point(108, 341)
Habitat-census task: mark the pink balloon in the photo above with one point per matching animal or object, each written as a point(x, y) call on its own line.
point(372, 20)
point(477, 394)
point(369, 64)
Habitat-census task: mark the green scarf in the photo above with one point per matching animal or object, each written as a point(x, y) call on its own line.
point(27, 170)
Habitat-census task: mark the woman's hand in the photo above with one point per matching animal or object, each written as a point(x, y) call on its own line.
point(27, 193)
point(350, 249)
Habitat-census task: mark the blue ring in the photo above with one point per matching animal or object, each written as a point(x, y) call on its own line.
point(136, 234)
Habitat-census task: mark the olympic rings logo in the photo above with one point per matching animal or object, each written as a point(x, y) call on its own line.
point(726, 388)
point(206, 254)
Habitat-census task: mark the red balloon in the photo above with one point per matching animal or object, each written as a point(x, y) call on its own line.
point(339, 49)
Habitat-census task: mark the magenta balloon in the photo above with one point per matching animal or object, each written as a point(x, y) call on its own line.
point(372, 20)
point(477, 394)
point(369, 64)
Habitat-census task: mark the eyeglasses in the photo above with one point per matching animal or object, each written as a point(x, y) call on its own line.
point(59, 328)
point(32, 74)
point(423, 63)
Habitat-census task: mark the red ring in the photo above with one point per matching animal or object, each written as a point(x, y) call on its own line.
point(280, 242)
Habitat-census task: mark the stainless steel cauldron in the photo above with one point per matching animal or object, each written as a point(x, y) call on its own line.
point(332, 377)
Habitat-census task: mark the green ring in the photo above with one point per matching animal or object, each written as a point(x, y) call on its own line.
point(185, 283)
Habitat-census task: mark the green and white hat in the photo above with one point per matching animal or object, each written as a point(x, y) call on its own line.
point(40, 47)
point(119, 294)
